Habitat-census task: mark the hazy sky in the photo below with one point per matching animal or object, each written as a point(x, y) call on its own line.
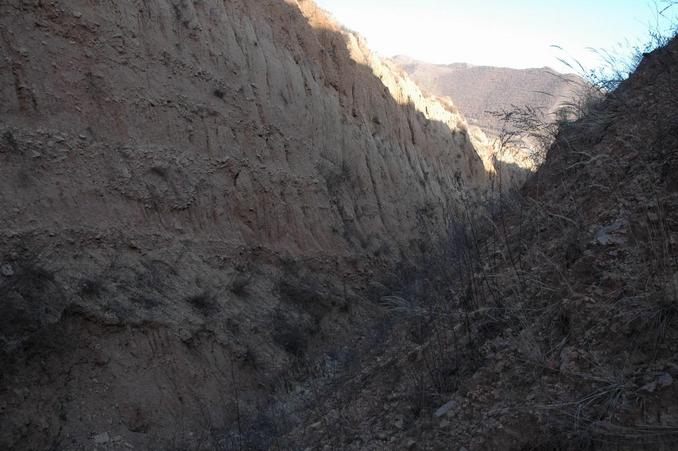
point(511, 33)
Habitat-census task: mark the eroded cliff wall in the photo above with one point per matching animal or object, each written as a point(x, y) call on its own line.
point(194, 195)
point(241, 121)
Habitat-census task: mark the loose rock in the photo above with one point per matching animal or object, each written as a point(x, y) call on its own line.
point(101, 439)
point(446, 408)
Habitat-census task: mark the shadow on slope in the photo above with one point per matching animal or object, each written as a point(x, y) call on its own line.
point(559, 329)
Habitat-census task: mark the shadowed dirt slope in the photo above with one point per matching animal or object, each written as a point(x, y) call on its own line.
point(558, 327)
point(197, 198)
point(475, 90)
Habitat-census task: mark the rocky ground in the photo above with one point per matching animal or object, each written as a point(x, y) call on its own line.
point(559, 329)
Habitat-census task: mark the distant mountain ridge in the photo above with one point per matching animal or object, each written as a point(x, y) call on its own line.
point(475, 90)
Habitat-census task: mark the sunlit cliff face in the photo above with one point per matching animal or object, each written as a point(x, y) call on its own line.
point(406, 92)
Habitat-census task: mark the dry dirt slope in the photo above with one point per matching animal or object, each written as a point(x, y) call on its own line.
point(558, 328)
point(194, 198)
point(477, 90)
